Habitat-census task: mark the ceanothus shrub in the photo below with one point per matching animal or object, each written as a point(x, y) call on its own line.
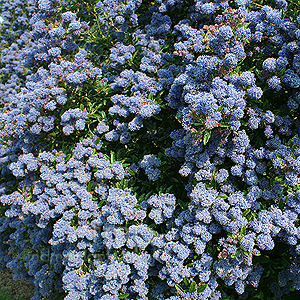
point(151, 150)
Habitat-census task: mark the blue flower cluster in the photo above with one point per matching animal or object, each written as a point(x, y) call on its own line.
point(202, 96)
point(150, 164)
point(73, 118)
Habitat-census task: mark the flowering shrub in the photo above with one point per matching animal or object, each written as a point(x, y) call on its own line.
point(151, 149)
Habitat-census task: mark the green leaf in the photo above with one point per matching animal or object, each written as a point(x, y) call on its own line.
point(225, 125)
point(130, 172)
point(68, 156)
point(206, 137)
point(266, 105)
point(243, 231)
point(246, 212)
point(123, 296)
point(220, 108)
point(150, 96)
point(192, 288)
point(178, 288)
point(201, 288)
point(281, 204)
point(169, 189)
point(159, 118)
point(101, 203)
point(279, 156)
point(236, 254)
point(186, 281)
point(226, 298)
point(89, 186)
point(112, 157)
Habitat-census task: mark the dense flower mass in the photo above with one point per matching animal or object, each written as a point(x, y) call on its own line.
point(151, 149)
